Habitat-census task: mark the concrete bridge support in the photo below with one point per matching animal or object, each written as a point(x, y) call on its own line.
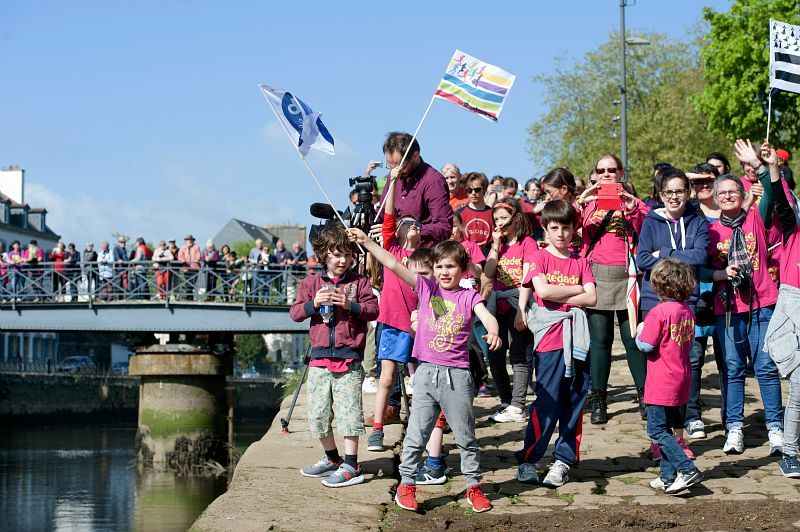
point(183, 406)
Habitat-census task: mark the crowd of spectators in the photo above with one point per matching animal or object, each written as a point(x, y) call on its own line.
point(141, 271)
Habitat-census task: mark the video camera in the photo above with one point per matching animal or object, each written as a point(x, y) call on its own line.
point(364, 213)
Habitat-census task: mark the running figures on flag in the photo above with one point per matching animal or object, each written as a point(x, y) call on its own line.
point(474, 85)
point(301, 123)
point(784, 56)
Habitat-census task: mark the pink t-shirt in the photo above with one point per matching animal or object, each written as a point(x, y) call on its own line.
point(560, 271)
point(719, 241)
point(790, 265)
point(611, 249)
point(398, 301)
point(476, 256)
point(670, 328)
point(510, 266)
point(445, 323)
point(774, 234)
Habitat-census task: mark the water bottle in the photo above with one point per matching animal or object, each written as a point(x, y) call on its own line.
point(327, 309)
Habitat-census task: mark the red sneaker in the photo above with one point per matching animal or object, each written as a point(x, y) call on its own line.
point(477, 499)
point(406, 497)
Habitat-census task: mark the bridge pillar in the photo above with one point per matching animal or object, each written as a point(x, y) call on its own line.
point(183, 406)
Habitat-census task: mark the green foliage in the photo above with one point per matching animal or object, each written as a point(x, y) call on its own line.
point(662, 122)
point(250, 349)
point(736, 58)
point(242, 248)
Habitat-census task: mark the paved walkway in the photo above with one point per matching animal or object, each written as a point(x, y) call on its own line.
point(267, 492)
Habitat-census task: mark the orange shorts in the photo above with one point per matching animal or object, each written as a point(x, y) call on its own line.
point(441, 422)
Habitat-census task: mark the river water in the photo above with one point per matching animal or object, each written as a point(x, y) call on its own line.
point(84, 478)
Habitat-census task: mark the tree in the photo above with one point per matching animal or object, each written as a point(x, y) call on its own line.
point(662, 122)
point(250, 349)
point(242, 248)
point(736, 59)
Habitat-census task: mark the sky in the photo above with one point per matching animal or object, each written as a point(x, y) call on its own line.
point(144, 117)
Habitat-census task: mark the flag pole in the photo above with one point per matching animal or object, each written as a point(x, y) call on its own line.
point(310, 171)
point(769, 112)
point(408, 149)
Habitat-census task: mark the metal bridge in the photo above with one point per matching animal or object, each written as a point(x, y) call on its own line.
point(145, 296)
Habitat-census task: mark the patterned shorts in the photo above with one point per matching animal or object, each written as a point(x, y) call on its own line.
point(335, 395)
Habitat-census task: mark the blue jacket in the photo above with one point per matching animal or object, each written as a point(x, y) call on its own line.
point(685, 239)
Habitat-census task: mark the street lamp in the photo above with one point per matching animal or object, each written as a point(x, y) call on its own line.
point(623, 89)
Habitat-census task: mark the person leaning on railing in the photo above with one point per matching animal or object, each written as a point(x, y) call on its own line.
point(105, 270)
point(210, 258)
point(16, 279)
point(89, 264)
point(72, 270)
point(162, 256)
point(189, 256)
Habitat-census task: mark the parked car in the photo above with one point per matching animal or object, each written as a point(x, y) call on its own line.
point(79, 364)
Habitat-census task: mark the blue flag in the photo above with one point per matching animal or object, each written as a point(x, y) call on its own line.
point(301, 123)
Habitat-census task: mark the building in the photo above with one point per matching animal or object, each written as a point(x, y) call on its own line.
point(19, 221)
point(241, 231)
point(288, 233)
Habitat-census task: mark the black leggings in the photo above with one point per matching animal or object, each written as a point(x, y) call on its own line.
point(601, 331)
point(518, 351)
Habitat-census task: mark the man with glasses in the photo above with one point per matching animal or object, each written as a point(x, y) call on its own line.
point(420, 192)
point(476, 215)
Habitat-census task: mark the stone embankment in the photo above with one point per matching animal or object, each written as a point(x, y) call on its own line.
point(267, 492)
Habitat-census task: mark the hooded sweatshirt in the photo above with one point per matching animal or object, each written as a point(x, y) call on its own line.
point(685, 239)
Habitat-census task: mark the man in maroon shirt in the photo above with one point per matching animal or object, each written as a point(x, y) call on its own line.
point(420, 192)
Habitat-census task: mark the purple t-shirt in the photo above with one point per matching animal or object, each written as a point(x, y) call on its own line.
point(445, 323)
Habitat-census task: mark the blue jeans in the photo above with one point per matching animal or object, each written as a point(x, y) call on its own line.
point(697, 360)
point(736, 344)
point(660, 420)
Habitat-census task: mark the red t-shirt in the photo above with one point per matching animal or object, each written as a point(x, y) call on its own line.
point(611, 249)
point(476, 256)
point(755, 235)
point(560, 271)
point(670, 328)
point(398, 301)
point(459, 199)
point(478, 225)
point(510, 262)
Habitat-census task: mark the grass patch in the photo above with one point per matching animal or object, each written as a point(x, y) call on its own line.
point(629, 480)
point(448, 486)
point(569, 497)
point(513, 499)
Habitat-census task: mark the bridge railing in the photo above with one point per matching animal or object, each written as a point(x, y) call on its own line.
point(140, 281)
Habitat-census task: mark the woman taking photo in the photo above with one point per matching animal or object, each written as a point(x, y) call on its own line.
point(607, 235)
point(744, 296)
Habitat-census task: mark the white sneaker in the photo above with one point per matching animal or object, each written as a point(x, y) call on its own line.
point(696, 429)
point(775, 441)
point(735, 442)
point(658, 484)
point(557, 476)
point(409, 384)
point(511, 414)
point(370, 385)
point(684, 481)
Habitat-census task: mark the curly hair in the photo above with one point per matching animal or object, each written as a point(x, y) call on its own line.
point(332, 238)
point(673, 279)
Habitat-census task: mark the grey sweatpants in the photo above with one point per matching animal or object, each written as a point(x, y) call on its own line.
point(791, 416)
point(450, 390)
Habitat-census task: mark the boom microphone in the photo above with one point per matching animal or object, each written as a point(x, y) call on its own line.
point(322, 211)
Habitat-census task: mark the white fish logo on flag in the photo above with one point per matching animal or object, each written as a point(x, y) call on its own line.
point(299, 120)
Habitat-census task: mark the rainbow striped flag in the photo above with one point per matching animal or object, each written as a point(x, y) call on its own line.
point(474, 85)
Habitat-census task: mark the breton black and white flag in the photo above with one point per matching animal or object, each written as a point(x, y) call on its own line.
point(784, 56)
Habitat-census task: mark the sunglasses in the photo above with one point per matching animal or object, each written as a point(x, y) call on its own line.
point(474, 190)
point(612, 170)
point(410, 222)
point(702, 182)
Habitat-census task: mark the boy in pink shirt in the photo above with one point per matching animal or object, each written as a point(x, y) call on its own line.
point(443, 382)
point(666, 335)
point(563, 280)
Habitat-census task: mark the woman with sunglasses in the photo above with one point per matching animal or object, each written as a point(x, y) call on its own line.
point(607, 235)
point(677, 229)
point(744, 297)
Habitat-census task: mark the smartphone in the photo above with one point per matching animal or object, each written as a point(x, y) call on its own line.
point(608, 197)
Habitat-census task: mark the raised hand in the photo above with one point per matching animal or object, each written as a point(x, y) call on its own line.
point(746, 153)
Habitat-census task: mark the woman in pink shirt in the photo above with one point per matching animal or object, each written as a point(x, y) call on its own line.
point(744, 297)
point(507, 265)
point(607, 237)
